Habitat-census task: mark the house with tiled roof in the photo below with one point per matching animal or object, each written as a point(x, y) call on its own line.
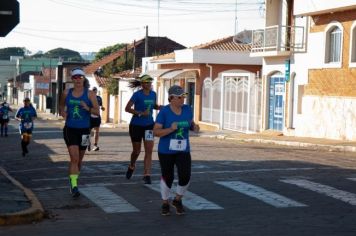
point(222, 81)
point(18, 87)
point(309, 66)
point(155, 46)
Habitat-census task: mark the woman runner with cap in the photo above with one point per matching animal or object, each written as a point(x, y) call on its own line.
point(172, 125)
point(95, 122)
point(4, 117)
point(141, 105)
point(76, 105)
point(26, 115)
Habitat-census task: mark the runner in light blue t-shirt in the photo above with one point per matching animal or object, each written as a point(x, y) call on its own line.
point(141, 106)
point(172, 126)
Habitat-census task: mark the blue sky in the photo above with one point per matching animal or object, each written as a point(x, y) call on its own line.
point(89, 25)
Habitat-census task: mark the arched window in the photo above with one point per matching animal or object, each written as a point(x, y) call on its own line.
point(333, 46)
point(353, 45)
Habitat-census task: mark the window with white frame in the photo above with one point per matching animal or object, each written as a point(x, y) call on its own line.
point(353, 43)
point(333, 45)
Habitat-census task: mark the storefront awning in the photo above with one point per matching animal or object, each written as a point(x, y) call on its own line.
point(158, 72)
point(182, 73)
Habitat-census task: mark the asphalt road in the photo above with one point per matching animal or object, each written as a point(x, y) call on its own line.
point(236, 189)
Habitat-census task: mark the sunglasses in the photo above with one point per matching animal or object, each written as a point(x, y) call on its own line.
point(179, 97)
point(77, 77)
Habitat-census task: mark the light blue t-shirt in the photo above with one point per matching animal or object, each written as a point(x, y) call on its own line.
point(166, 117)
point(77, 117)
point(141, 103)
point(4, 112)
point(26, 115)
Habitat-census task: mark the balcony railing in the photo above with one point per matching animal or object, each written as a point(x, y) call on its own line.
point(278, 39)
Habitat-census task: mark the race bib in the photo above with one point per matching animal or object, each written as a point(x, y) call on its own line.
point(149, 135)
point(178, 145)
point(85, 140)
point(27, 125)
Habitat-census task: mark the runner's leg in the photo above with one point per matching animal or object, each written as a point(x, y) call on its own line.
point(96, 136)
point(148, 145)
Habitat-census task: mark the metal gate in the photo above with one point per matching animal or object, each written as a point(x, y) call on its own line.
point(242, 103)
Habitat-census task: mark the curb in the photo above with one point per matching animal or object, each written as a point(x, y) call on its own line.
point(34, 213)
point(330, 148)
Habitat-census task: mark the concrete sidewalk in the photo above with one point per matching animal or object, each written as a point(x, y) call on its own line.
point(19, 205)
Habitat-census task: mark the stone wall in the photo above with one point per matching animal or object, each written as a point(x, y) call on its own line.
point(328, 117)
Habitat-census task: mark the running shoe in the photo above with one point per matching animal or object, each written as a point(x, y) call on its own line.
point(147, 179)
point(96, 148)
point(75, 192)
point(165, 209)
point(23, 154)
point(129, 172)
point(179, 206)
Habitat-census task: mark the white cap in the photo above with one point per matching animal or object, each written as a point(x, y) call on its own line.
point(77, 71)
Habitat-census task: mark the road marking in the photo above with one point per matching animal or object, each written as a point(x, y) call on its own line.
point(107, 200)
point(352, 179)
point(39, 169)
point(324, 189)
point(40, 132)
point(194, 173)
point(262, 194)
point(190, 200)
point(81, 186)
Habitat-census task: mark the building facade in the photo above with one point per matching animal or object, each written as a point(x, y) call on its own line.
point(308, 68)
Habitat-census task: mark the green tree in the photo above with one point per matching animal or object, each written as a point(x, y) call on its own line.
point(6, 53)
point(108, 50)
point(65, 54)
point(113, 86)
point(114, 67)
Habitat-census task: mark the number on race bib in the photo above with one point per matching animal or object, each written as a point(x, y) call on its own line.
point(149, 135)
point(27, 125)
point(85, 140)
point(178, 145)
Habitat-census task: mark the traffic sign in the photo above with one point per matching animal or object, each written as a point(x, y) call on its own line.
point(9, 16)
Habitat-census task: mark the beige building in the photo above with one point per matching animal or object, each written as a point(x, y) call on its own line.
point(309, 58)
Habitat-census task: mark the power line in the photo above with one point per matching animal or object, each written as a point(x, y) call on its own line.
point(82, 31)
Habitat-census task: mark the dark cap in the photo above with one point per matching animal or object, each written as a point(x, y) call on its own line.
point(176, 90)
point(26, 100)
point(145, 78)
point(95, 89)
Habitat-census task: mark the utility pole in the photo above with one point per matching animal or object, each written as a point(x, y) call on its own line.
point(235, 30)
point(134, 56)
point(146, 42)
point(158, 6)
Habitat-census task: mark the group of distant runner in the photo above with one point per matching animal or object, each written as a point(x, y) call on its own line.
point(80, 107)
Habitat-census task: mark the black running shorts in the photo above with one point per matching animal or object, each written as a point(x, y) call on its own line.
point(95, 122)
point(137, 133)
point(76, 136)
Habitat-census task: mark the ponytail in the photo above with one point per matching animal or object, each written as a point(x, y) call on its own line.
point(86, 83)
point(134, 83)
